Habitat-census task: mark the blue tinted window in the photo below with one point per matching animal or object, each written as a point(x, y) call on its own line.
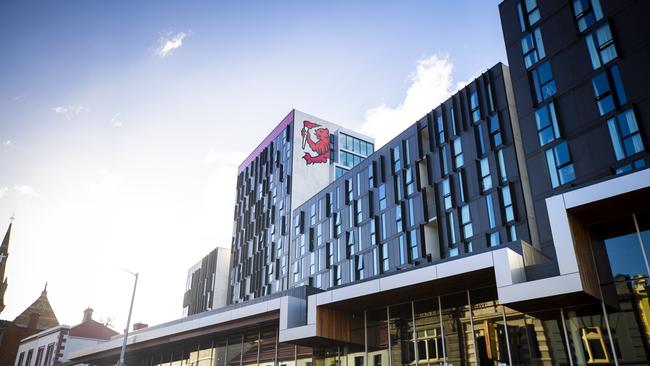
point(560, 167)
point(587, 12)
point(624, 132)
point(546, 120)
point(601, 47)
point(543, 81)
point(618, 84)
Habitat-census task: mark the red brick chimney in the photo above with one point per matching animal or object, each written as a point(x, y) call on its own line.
point(88, 315)
point(138, 326)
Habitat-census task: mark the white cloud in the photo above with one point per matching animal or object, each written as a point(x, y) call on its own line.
point(168, 42)
point(70, 111)
point(431, 84)
point(17, 97)
point(26, 190)
point(4, 191)
point(8, 143)
point(116, 121)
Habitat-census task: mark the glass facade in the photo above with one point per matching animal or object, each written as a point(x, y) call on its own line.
point(466, 327)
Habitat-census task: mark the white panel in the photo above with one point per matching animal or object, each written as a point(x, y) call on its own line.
point(407, 278)
point(609, 188)
point(360, 289)
point(291, 334)
point(464, 265)
point(323, 297)
point(508, 267)
point(561, 231)
point(552, 286)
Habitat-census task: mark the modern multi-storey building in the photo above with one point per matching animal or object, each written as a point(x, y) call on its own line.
point(509, 226)
point(449, 185)
point(581, 88)
point(297, 159)
point(207, 283)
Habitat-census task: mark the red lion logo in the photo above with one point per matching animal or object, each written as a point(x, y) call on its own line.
point(321, 146)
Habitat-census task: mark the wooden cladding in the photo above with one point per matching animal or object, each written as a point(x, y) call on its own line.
point(333, 324)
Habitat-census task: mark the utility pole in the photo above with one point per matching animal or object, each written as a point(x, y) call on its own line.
point(128, 320)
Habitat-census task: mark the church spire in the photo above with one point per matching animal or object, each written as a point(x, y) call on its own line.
point(4, 254)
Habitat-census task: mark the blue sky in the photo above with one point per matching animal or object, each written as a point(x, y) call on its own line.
point(116, 154)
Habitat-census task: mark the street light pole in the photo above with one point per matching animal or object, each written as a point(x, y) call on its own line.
point(128, 320)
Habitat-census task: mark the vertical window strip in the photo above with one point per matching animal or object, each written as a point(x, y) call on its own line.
point(547, 126)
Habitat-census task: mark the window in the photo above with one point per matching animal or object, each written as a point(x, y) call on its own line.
point(397, 164)
point(480, 140)
point(358, 217)
point(625, 135)
point(385, 261)
point(414, 251)
point(373, 231)
point(607, 98)
point(360, 269)
point(512, 232)
point(382, 197)
point(501, 162)
point(444, 167)
point(375, 261)
point(601, 47)
point(410, 204)
point(312, 216)
point(451, 230)
point(475, 109)
point(407, 153)
point(528, 13)
point(358, 183)
point(28, 360)
point(466, 222)
point(410, 182)
point(20, 358)
point(383, 224)
point(495, 131)
point(532, 47)
point(312, 263)
point(446, 194)
point(637, 164)
point(546, 120)
point(587, 12)
point(371, 175)
point(490, 210)
point(494, 239)
point(349, 244)
point(337, 224)
point(402, 249)
point(329, 253)
point(560, 167)
point(397, 183)
point(356, 145)
point(452, 122)
point(338, 275)
point(488, 87)
point(484, 170)
point(543, 82)
point(340, 171)
point(507, 211)
point(399, 223)
point(440, 129)
point(461, 185)
point(348, 191)
point(319, 235)
point(296, 271)
point(459, 160)
point(349, 159)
